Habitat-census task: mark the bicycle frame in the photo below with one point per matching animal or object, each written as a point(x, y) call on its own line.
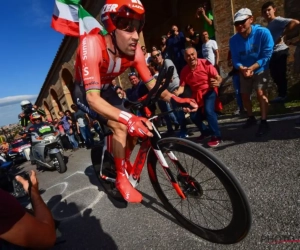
point(134, 171)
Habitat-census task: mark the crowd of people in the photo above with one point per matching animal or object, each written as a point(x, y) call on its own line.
point(76, 129)
point(254, 50)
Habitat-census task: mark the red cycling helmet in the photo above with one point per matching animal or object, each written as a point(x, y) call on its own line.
point(127, 15)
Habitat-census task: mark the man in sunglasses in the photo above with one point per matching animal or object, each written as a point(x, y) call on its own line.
point(251, 49)
point(100, 59)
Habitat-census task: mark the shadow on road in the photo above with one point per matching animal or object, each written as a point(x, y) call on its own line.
point(89, 171)
point(157, 207)
point(77, 228)
point(279, 131)
point(148, 201)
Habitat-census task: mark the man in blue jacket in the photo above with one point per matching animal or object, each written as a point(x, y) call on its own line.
point(251, 49)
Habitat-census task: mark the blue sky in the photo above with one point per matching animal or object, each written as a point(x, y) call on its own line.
point(28, 46)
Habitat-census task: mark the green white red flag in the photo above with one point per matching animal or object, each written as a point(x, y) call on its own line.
point(70, 18)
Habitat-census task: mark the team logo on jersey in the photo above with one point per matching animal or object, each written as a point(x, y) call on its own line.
point(86, 71)
point(84, 49)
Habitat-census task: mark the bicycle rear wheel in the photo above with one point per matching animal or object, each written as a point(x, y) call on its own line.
point(215, 207)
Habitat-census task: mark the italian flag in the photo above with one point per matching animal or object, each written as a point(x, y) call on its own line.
point(70, 18)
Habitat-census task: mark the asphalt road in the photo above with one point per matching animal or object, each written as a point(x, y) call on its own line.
point(268, 169)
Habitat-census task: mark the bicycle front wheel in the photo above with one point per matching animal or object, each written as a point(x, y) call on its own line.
point(215, 206)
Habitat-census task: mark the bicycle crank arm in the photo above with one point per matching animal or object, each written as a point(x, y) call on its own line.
point(107, 178)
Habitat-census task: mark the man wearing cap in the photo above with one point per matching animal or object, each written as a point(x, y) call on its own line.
point(251, 48)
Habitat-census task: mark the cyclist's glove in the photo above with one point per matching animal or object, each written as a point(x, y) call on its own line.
point(185, 102)
point(135, 125)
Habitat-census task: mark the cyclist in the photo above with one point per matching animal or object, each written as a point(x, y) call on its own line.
point(100, 59)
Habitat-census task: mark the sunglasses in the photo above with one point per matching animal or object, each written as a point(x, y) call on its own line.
point(240, 22)
point(156, 55)
point(129, 24)
point(132, 74)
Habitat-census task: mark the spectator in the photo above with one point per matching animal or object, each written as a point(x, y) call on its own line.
point(67, 125)
point(163, 105)
point(146, 55)
point(163, 47)
point(173, 85)
point(251, 49)
point(278, 27)
point(77, 135)
point(204, 80)
point(175, 48)
point(194, 40)
point(98, 129)
point(210, 50)
point(236, 85)
point(19, 228)
point(83, 126)
point(154, 48)
point(137, 91)
point(205, 13)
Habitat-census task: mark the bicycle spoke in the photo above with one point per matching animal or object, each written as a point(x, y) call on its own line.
point(215, 189)
point(193, 211)
point(209, 209)
point(205, 217)
point(217, 202)
point(208, 180)
point(175, 199)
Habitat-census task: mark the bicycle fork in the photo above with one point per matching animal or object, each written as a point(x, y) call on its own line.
point(164, 163)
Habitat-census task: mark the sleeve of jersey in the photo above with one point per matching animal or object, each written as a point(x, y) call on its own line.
point(90, 59)
point(141, 66)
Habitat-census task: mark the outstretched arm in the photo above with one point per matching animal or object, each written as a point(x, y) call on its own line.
point(150, 82)
point(33, 231)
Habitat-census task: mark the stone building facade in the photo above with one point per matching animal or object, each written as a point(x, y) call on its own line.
point(160, 16)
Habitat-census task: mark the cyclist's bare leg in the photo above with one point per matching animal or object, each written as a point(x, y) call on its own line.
point(118, 147)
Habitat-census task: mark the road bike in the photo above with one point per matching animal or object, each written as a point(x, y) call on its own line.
point(195, 186)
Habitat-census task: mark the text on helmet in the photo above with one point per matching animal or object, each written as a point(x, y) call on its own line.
point(109, 8)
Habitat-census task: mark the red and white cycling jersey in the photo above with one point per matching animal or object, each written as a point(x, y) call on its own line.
point(95, 64)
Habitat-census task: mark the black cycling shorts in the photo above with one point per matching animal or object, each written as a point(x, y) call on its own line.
point(109, 94)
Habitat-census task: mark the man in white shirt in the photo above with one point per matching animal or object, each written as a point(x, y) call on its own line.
point(210, 49)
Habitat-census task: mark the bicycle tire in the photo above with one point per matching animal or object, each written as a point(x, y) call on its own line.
point(239, 224)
